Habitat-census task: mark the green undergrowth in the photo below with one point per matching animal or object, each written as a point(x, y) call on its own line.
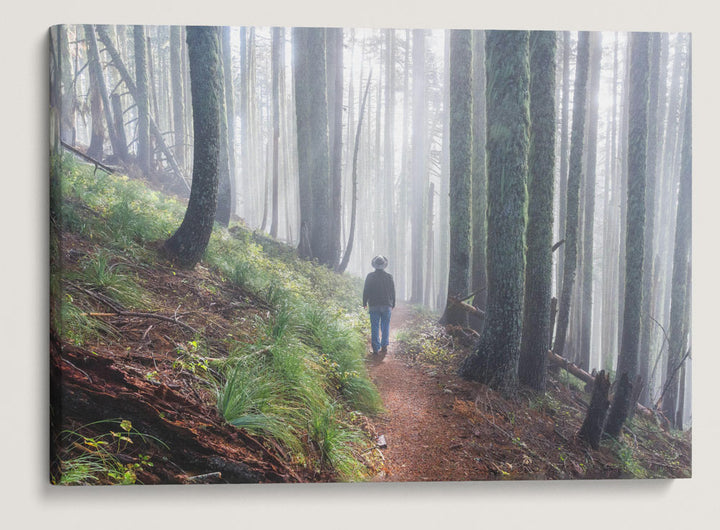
point(300, 380)
point(115, 456)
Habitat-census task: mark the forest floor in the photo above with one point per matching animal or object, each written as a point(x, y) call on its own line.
point(440, 427)
point(437, 426)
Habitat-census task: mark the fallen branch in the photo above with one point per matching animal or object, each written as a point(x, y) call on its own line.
point(466, 307)
point(588, 378)
point(146, 315)
point(87, 158)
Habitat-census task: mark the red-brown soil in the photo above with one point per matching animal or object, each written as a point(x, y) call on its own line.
point(439, 427)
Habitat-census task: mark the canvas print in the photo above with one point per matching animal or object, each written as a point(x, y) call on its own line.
point(304, 254)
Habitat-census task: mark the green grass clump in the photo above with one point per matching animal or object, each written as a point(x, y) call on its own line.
point(335, 441)
point(87, 457)
point(253, 398)
point(305, 373)
point(78, 327)
point(112, 278)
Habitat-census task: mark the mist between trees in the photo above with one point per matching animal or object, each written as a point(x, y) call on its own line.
point(543, 177)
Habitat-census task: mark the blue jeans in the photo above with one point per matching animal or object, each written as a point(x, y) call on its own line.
point(380, 322)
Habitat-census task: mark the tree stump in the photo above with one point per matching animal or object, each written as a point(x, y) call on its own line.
point(592, 428)
point(620, 407)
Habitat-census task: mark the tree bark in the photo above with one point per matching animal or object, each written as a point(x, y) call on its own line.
point(142, 100)
point(312, 134)
point(592, 427)
point(479, 180)
point(589, 210)
point(187, 245)
point(573, 191)
point(541, 171)
point(418, 169)
point(460, 172)
point(679, 310)
point(495, 361)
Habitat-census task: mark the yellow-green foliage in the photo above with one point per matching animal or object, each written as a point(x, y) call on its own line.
point(303, 376)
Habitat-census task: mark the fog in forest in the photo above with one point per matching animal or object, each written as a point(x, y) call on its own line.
point(388, 153)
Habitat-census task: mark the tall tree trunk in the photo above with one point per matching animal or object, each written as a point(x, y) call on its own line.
point(334, 37)
point(460, 174)
point(97, 75)
point(276, 52)
point(623, 156)
point(142, 100)
point(389, 149)
point(496, 359)
point(611, 232)
point(187, 245)
point(353, 209)
point(312, 124)
point(564, 141)
point(225, 188)
point(418, 169)
point(66, 87)
point(679, 309)
point(178, 93)
point(226, 47)
point(97, 137)
point(590, 172)
point(648, 290)
point(573, 191)
point(541, 173)
point(637, 152)
point(479, 181)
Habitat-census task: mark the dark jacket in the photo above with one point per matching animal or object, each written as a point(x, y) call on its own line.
point(379, 289)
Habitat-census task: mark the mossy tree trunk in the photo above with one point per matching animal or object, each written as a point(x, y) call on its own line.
point(541, 166)
point(460, 173)
point(572, 201)
point(634, 238)
point(679, 308)
point(187, 245)
point(507, 58)
point(479, 180)
point(634, 241)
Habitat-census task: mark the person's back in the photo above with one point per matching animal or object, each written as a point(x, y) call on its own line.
point(379, 290)
point(379, 295)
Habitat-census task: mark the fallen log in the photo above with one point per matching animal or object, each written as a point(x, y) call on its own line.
point(588, 378)
point(452, 300)
point(194, 436)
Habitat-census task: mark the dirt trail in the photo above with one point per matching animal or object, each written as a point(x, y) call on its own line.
point(427, 440)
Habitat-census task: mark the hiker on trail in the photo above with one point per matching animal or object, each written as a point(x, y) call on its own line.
point(379, 295)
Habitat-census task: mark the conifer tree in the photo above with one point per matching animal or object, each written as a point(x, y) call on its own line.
point(187, 245)
point(496, 360)
point(541, 167)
